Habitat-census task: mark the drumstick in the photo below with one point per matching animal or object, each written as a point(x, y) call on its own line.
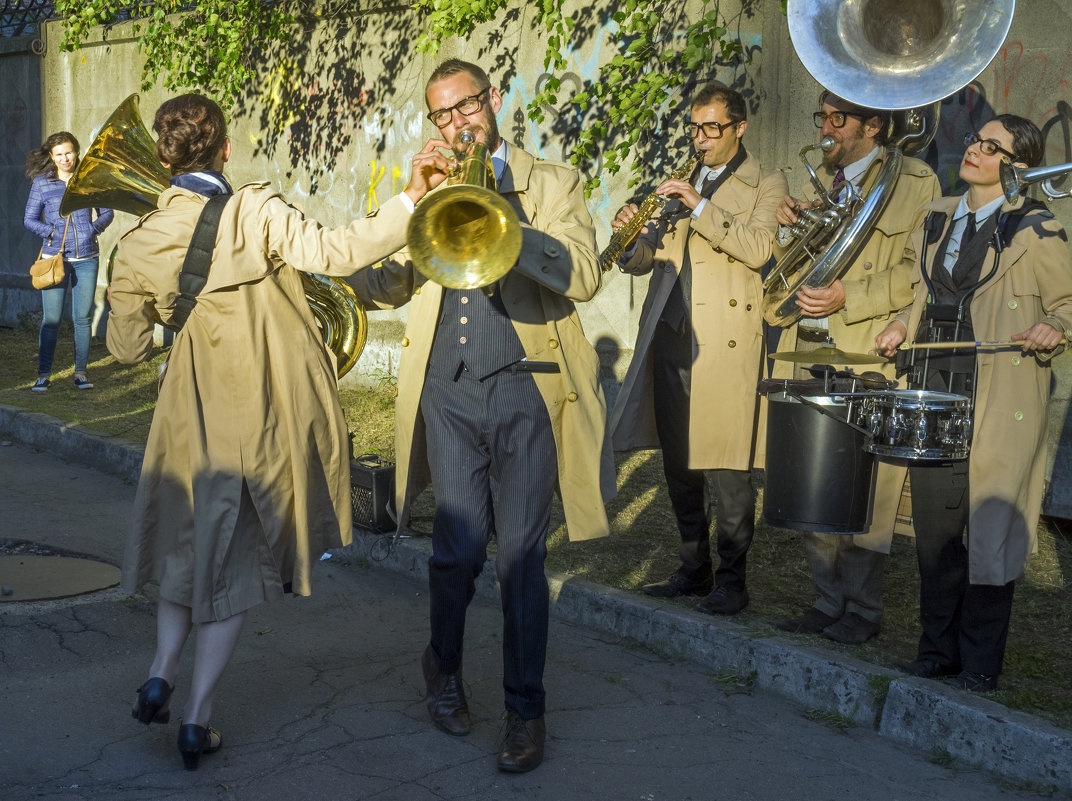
point(943, 345)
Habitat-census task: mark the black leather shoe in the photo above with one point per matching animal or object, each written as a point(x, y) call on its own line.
point(724, 601)
point(154, 702)
point(522, 743)
point(445, 696)
point(973, 682)
point(196, 740)
point(929, 669)
point(811, 622)
point(852, 629)
point(678, 585)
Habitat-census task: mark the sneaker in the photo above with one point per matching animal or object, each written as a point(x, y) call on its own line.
point(82, 383)
point(41, 384)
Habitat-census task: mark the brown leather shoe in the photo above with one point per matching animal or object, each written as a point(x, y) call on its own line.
point(445, 696)
point(522, 743)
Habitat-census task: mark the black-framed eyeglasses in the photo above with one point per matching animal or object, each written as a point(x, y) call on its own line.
point(712, 130)
point(837, 118)
point(988, 146)
point(467, 106)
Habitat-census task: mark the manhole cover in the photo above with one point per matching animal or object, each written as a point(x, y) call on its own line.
point(30, 577)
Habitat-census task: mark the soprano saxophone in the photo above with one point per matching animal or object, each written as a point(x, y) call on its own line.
point(652, 204)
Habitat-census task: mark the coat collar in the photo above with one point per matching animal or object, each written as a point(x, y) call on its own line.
point(518, 170)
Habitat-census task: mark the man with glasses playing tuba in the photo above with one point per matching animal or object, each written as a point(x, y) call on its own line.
point(847, 568)
point(700, 345)
point(499, 403)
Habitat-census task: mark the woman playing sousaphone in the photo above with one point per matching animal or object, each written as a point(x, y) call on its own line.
point(245, 479)
point(989, 271)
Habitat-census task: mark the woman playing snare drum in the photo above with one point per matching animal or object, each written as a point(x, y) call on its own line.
point(989, 271)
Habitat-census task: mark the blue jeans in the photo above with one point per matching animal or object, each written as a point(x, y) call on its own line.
point(81, 277)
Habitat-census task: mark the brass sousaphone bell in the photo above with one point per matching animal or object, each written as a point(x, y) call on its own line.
point(899, 55)
point(466, 235)
point(120, 171)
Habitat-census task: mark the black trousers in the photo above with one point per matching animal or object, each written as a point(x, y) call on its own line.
point(693, 493)
point(964, 625)
point(493, 464)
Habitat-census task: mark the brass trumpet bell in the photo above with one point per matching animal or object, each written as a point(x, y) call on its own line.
point(466, 235)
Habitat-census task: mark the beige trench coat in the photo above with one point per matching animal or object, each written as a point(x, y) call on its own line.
point(1007, 461)
point(249, 399)
point(876, 288)
point(727, 244)
point(557, 267)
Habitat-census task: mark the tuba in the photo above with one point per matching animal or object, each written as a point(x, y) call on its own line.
point(466, 235)
point(900, 55)
point(121, 171)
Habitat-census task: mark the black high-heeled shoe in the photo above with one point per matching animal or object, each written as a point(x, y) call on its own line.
point(154, 702)
point(196, 740)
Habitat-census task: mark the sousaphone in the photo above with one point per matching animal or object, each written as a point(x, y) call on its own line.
point(897, 55)
point(120, 171)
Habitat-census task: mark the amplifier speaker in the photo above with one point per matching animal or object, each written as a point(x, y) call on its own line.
point(372, 486)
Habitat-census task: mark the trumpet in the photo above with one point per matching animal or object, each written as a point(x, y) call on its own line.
point(1014, 179)
point(648, 208)
point(466, 235)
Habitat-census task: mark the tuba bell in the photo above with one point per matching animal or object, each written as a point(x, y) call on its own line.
point(466, 235)
point(121, 171)
point(897, 55)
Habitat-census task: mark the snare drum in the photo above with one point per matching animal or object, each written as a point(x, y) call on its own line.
point(915, 424)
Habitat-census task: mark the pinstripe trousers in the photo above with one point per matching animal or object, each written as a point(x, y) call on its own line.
point(493, 466)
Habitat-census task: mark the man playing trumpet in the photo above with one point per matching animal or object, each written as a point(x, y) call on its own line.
point(700, 346)
point(499, 403)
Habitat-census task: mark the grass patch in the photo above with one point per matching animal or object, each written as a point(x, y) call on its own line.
point(735, 682)
point(940, 756)
point(835, 720)
point(644, 543)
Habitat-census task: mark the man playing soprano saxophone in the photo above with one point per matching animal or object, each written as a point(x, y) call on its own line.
point(691, 386)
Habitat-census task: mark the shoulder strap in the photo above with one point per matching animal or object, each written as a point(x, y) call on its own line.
point(1011, 222)
point(198, 259)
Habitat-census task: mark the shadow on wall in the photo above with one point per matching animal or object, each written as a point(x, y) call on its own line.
point(340, 79)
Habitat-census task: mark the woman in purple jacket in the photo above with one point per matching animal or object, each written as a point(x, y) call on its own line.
point(51, 167)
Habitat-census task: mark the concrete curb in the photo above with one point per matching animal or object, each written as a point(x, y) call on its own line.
point(926, 715)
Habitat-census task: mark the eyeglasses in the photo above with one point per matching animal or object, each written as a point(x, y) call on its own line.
point(467, 106)
point(712, 130)
point(988, 146)
point(837, 118)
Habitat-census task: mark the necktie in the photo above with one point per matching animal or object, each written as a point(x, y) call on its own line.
point(839, 179)
point(969, 232)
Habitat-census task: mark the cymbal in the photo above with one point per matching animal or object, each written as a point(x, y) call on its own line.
point(827, 355)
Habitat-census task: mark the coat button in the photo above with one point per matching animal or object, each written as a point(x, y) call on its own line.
point(733, 301)
point(867, 265)
point(732, 343)
point(1017, 415)
point(572, 397)
point(748, 307)
point(465, 298)
point(463, 320)
point(1013, 304)
point(552, 344)
point(726, 224)
point(551, 250)
point(405, 342)
point(1015, 360)
point(545, 269)
point(462, 340)
point(730, 259)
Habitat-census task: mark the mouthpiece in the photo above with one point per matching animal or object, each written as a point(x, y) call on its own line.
point(826, 144)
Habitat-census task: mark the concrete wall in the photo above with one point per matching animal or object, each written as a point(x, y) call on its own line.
point(20, 130)
point(334, 121)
